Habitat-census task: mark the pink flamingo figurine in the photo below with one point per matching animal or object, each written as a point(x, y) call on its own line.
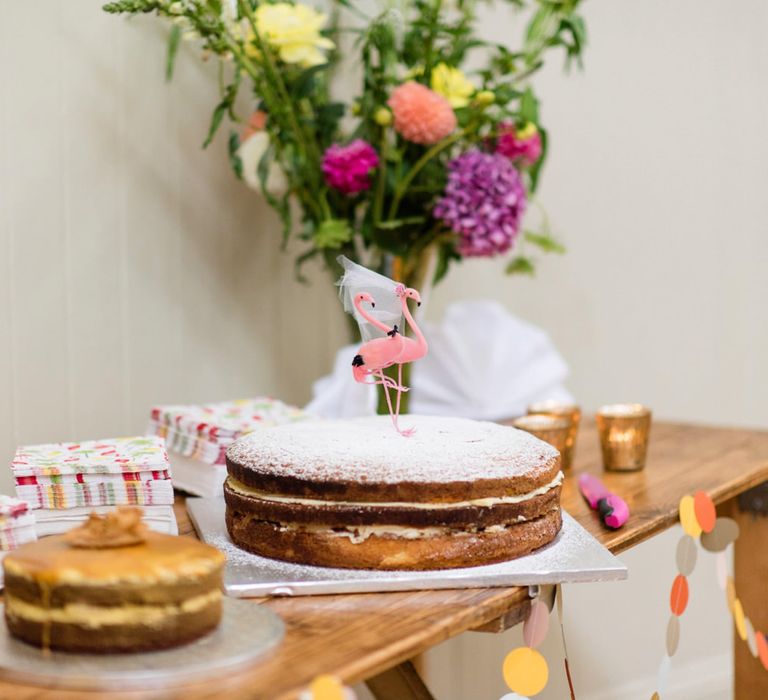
point(413, 348)
point(377, 354)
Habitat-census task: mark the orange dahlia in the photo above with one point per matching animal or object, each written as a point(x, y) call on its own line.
point(421, 115)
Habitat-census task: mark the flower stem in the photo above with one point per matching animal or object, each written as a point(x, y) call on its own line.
point(378, 202)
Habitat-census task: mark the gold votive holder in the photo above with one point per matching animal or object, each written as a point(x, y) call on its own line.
point(624, 431)
point(567, 411)
point(551, 429)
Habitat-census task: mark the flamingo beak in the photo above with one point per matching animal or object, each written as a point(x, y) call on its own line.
point(373, 304)
point(418, 303)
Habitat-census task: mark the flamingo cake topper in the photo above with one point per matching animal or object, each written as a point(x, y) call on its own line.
point(381, 327)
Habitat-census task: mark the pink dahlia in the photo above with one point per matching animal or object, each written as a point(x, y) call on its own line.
point(519, 144)
point(484, 202)
point(421, 115)
point(348, 168)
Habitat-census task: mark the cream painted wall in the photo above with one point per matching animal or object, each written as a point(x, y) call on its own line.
point(135, 270)
point(656, 182)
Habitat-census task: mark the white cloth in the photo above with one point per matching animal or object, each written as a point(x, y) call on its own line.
point(483, 363)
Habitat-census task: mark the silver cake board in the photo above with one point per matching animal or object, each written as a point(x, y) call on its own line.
point(574, 556)
point(246, 632)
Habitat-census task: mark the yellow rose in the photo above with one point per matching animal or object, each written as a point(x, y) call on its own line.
point(452, 84)
point(294, 30)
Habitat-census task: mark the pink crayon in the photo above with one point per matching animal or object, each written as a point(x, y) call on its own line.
point(612, 509)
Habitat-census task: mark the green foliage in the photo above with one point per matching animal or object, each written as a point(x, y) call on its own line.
point(521, 266)
point(393, 218)
point(544, 241)
point(174, 39)
point(333, 233)
point(233, 144)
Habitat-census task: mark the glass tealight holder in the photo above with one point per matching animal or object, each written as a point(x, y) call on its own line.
point(567, 411)
point(551, 429)
point(624, 430)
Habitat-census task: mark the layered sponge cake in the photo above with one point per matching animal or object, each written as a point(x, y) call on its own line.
point(111, 585)
point(354, 494)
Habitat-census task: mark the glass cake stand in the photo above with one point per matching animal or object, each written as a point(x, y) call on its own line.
point(246, 632)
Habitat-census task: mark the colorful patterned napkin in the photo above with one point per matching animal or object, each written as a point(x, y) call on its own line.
point(204, 432)
point(120, 471)
point(17, 523)
point(114, 456)
point(134, 493)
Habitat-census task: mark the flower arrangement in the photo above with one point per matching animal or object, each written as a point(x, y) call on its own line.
point(436, 156)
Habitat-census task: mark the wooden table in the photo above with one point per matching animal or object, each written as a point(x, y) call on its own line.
point(371, 636)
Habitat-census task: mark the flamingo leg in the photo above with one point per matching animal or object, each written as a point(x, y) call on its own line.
point(389, 400)
point(394, 415)
point(408, 431)
point(386, 381)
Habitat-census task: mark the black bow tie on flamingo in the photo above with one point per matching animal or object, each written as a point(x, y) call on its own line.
point(385, 343)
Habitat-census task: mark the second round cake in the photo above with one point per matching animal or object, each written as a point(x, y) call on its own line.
point(354, 494)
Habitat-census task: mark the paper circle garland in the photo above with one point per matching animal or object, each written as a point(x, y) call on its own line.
point(327, 687)
point(673, 634)
point(699, 520)
point(678, 597)
point(722, 570)
point(525, 671)
point(663, 674)
point(688, 517)
point(730, 593)
point(751, 637)
point(725, 531)
point(762, 648)
point(705, 511)
point(738, 618)
point(512, 696)
point(686, 555)
point(535, 628)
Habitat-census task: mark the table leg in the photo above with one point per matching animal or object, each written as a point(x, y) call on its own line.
point(401, 682)
point(750, 564)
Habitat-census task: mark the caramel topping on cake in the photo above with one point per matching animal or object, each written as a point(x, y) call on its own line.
point(159, 558)
point(120, 528)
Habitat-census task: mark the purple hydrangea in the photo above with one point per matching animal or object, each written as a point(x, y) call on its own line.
point(484, 202)
point(348, 168)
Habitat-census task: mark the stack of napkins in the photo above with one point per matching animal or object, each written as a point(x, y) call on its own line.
point(198, 436)
point(17, 523)
point(64, 482)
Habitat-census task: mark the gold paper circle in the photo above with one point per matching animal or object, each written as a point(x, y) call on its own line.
point(686, 555)
point(738, 618)
point(730, 593)
point(525, 671)
point(673, 635)
point(726, 530)
point(688, 517)
point(327, 688)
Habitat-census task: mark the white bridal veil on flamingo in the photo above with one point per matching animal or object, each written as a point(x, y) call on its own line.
point(358, 279)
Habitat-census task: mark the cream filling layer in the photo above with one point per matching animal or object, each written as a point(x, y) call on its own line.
point(241, 488)
point(361, 533)
point(95, 616)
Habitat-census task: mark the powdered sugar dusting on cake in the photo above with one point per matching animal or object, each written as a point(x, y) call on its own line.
point(442, 450)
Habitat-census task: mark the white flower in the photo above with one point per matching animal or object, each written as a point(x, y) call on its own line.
point(250, 153)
